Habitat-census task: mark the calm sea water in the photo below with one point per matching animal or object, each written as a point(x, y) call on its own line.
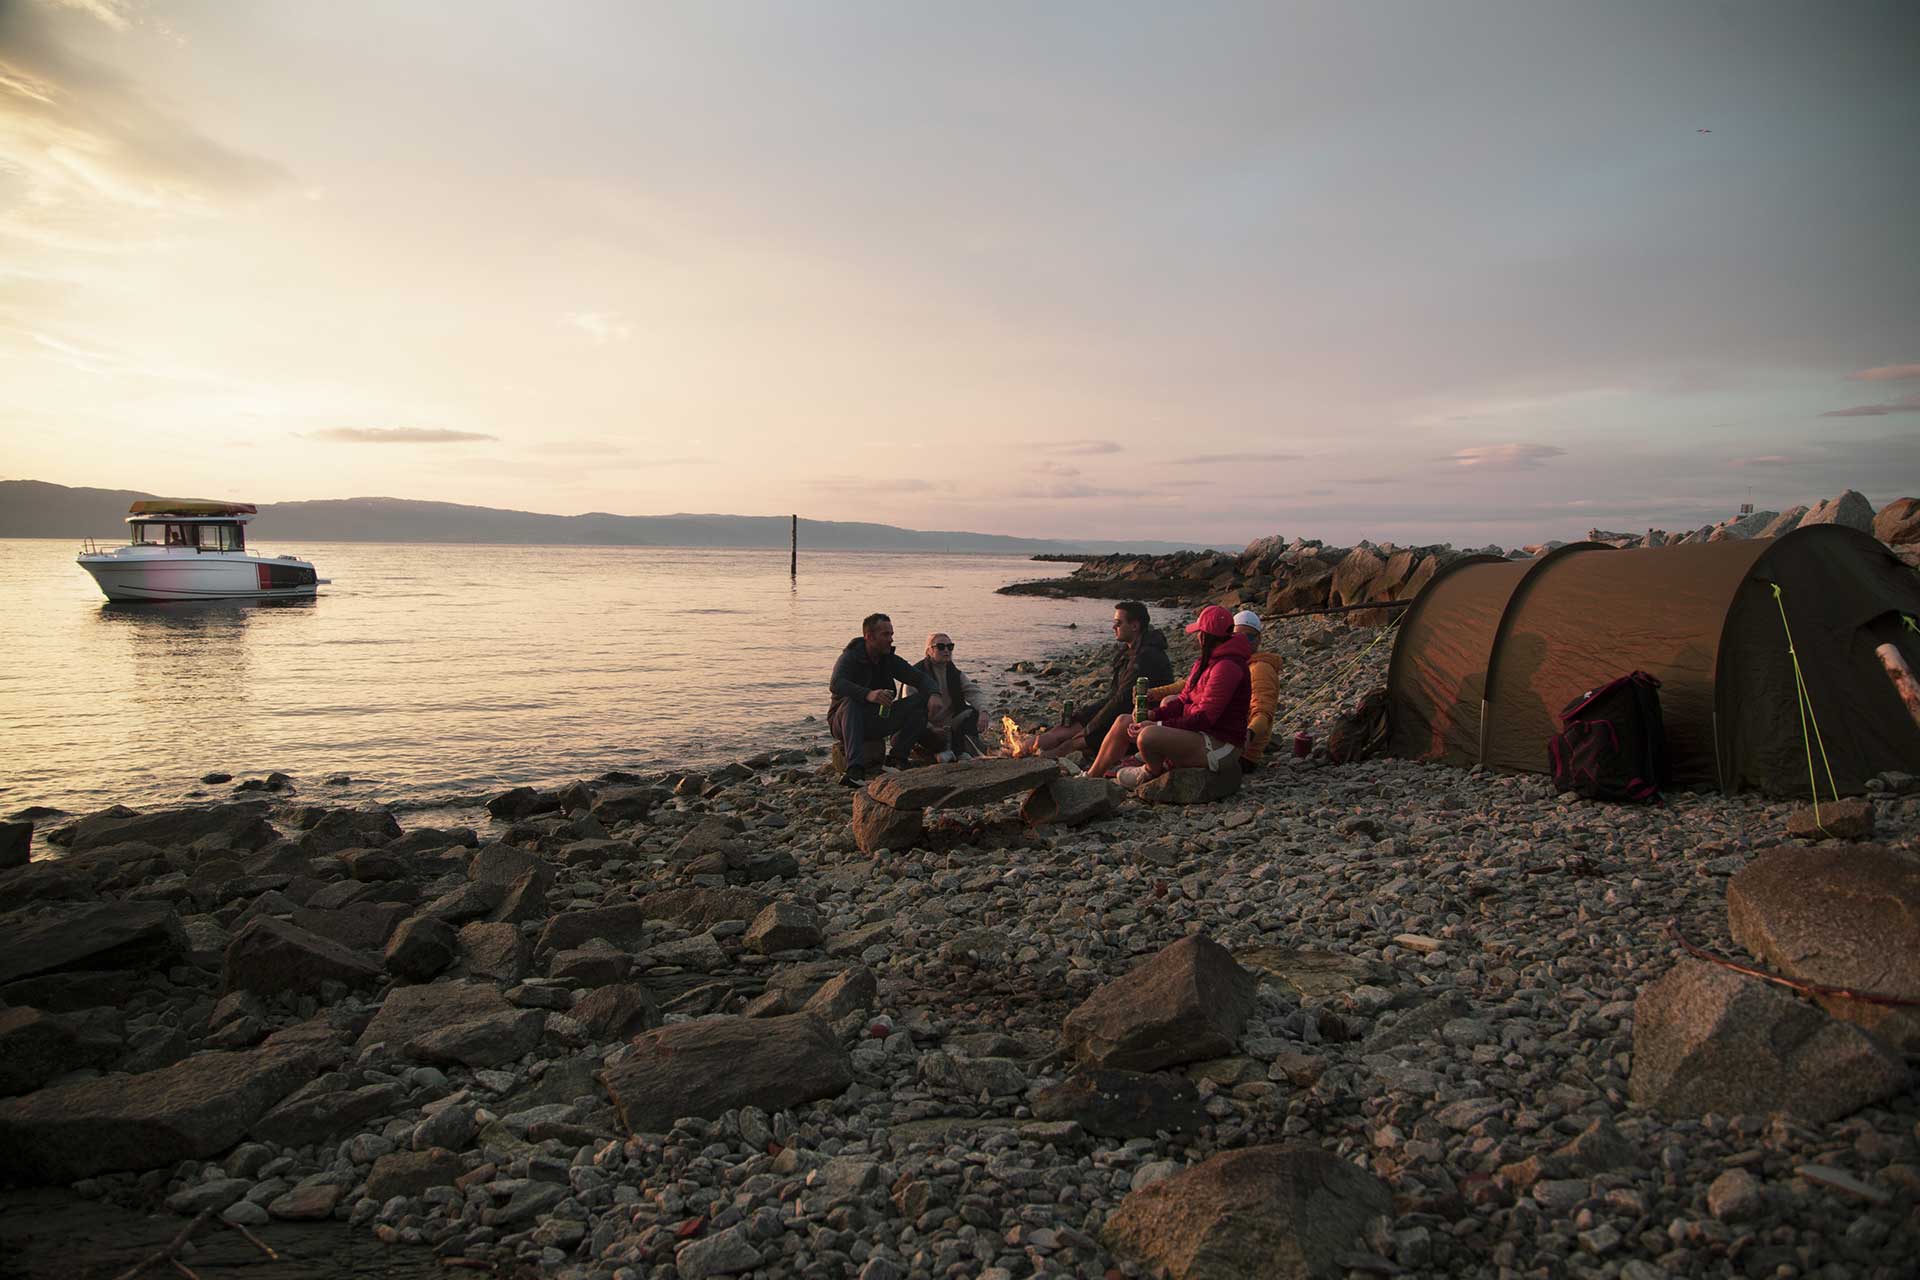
point(430, 672)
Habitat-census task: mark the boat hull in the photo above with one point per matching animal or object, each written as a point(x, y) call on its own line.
point(200, 577)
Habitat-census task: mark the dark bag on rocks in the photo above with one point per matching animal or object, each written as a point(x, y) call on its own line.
point(1612, 744)
point(1360, 733)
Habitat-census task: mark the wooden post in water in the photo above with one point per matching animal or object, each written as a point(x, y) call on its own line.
point(793, 551)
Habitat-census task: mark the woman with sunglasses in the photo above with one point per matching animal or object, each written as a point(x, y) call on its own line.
point(954, 730)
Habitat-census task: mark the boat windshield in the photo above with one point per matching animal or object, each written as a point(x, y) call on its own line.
point(220, 537)
point(212, 536)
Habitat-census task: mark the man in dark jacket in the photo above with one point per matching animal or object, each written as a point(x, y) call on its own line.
point(865, 704)
point(1143, 654)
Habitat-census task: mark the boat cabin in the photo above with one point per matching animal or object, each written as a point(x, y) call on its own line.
point(198, 526)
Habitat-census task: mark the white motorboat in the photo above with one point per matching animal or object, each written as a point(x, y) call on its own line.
point(188, 550)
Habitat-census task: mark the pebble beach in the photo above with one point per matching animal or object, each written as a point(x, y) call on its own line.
point(1444, 968)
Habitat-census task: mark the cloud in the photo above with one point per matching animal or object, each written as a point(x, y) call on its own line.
point(1217, 459)
point(1080, 448)
point(1505, 457)
point(397, 435)
point(1071, 490)
point(1905, 404)
point(602, 327)
point(84, 146)
point(1887, 373)
point(1765, 460)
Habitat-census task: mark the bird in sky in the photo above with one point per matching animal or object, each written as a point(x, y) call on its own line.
point(1703, 131)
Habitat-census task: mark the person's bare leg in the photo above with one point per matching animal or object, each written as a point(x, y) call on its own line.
point(1116, 747)
point(1062, 740)
point(1162, 748)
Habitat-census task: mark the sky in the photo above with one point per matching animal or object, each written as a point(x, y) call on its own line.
point(1464, 272)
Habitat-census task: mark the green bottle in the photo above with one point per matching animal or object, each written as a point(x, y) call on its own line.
point(1140, 709)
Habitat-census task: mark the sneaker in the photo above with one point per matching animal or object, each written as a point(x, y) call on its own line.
point(854, 778)
point(1132, 776)
point(945, 757)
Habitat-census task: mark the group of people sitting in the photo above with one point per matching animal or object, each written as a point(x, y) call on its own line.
point(1223, 708)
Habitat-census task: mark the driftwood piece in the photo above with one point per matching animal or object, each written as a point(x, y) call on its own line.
point(1796, 984)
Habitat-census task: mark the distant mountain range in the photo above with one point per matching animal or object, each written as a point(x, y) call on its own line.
point(36, 509)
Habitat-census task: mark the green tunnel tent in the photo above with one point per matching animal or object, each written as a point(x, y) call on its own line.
point(1493, 649)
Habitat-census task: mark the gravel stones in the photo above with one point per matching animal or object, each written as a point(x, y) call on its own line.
point(724, 1253)
point(270, 956)
point(1847, 918)
point(191, 1110)
point(1735, 1195)
point(1187, 1003)
point(1707, 1039)
point(705, 1067)
point(1268, 1211)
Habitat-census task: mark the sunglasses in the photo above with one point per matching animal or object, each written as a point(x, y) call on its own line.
point(947, 645)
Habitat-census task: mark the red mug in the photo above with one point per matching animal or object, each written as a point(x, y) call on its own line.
point(1302, 743)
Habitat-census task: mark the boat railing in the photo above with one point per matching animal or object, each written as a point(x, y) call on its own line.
point(93, 547)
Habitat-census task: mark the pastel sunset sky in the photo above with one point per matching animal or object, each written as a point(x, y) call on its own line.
point(1399, 269)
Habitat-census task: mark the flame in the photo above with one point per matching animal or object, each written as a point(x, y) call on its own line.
point(1017, 744)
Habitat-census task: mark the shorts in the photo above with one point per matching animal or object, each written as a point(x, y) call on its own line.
point(1217, 752)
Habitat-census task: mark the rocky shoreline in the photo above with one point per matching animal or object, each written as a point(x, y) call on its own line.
point(679, 1025)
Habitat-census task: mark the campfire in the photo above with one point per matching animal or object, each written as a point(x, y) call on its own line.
point(1018, 744)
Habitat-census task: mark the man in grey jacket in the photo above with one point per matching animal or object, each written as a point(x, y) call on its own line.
point(865, 704)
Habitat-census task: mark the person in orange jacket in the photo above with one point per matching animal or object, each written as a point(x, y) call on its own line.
point(1263, 697)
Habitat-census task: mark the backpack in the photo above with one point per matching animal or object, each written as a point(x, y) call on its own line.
point(1361, 732)
point(1612, 744)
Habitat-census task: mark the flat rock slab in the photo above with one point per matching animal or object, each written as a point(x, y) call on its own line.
point(136, 935)
point(1187, 1003)
point(190, 1110)
point(711, 1065)
point(1708, 1039)
point(468, 1022)
point(241, 826)
point(879, 827)
point(271, 956)
point(1843, 918)
point(1278, 1212)
point(1311, 974)
point(962, 783)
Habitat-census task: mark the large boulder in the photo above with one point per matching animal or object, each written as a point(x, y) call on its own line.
point(1850, 509)
point(1843, 919)
point(16, 844)
point(495, 949)
point(1898, 522)
point(625, 926)
point(1354, 576)
point(1187, 1003)
point(1193, 786)
point(466, 1022)
point(358, 926)
point(1275, 1212)
point(1848, 818)
point(962, 783)
point(504, 864)
point(783, 926)
point(134, 935)
point(878, 827)
point(188, 1111)
point(1784, 523)
point(1708, 1039)
point(420, 948)
point(36, 1046)
point(234, 826)
point(711, 1065)
point(1306, 586)
point(340, 829)
point(270, 956)
point(315, 1114)
point(1073, 802)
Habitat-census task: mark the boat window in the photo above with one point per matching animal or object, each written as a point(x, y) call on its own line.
point(176, 535)
point(219, 537)
point(145, 533)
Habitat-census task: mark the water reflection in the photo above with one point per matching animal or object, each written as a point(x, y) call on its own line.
point(188, 657)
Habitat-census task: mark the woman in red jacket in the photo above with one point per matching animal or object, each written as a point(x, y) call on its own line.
point(1204, 724)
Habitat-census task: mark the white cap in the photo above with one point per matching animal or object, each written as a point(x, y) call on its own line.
point(1247, 618)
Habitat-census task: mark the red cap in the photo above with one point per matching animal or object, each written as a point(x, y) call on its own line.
point(1213, 621)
